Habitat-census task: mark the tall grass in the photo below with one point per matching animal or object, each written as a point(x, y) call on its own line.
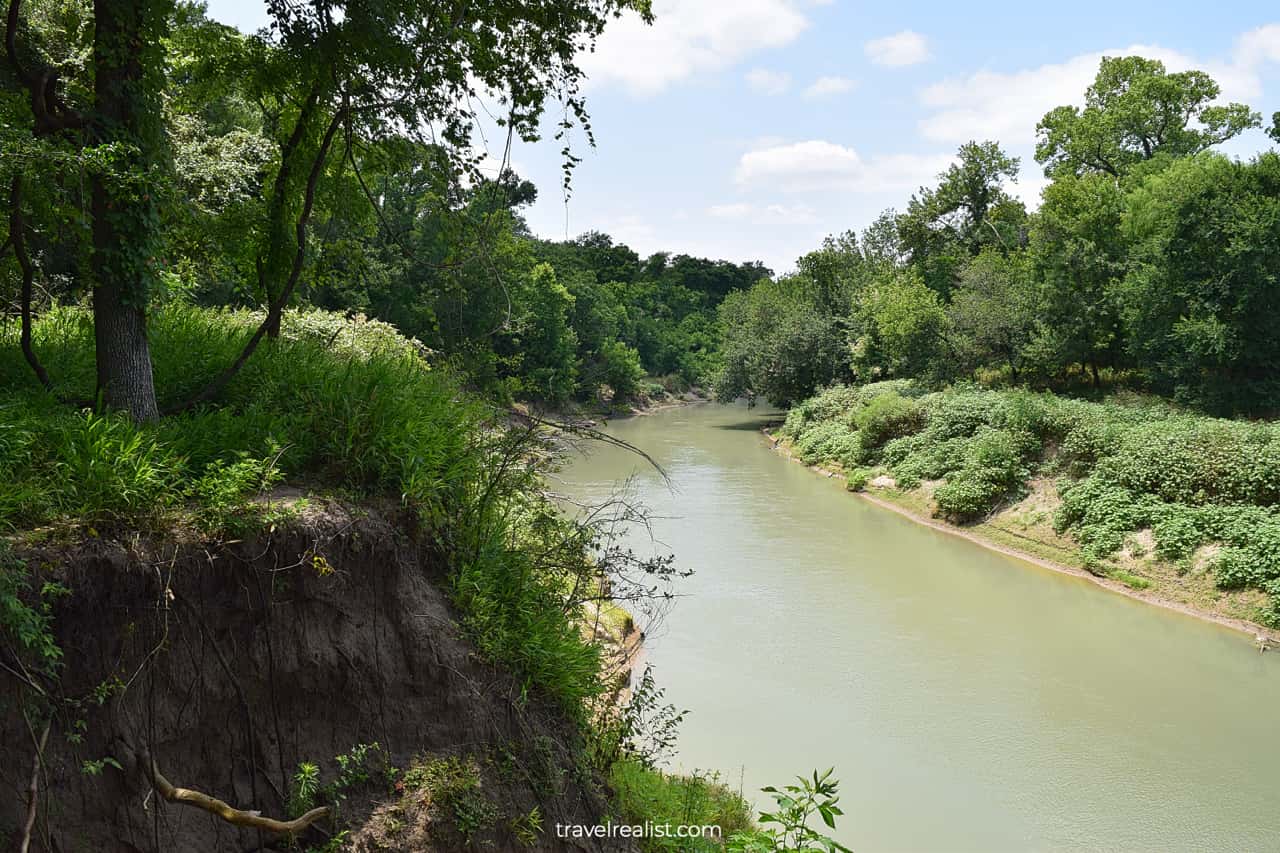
point(363, 413)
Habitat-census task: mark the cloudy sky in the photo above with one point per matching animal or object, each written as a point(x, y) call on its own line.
point(749, 129)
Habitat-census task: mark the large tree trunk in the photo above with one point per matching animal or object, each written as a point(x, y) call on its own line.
point(128, 76)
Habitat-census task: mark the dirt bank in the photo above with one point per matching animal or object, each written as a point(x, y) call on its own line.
point(231, 664)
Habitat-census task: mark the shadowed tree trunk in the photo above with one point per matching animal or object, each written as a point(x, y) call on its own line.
point(128, 61)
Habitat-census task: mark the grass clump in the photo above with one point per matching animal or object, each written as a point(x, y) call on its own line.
point(451, 788)
point(643, 793)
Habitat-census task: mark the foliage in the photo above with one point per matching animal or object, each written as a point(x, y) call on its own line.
point(339, 405)
point(26, 616)
point(1124, 465)
point(1150, 263)
point(363, 765)
point(901, 329)
point(795, 806)
point(967, 211)
point(991, 469)
point(778, 342)
point(994, 309)
point(643, 730)
point(1134, 111)
point(1199, 295)
point(451, 786)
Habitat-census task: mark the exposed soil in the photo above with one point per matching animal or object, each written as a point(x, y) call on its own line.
point(236, 661)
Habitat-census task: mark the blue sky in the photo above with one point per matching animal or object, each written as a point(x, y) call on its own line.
point(749, 129)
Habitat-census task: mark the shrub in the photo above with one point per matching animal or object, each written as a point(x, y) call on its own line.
point(886, 417)
point(856, 479)
point(992, 469)
point(1133, 462)
point(829, 441)
point(957, 414)
point(621, 368)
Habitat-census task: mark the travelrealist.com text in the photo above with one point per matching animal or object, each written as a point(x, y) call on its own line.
point(648, 829)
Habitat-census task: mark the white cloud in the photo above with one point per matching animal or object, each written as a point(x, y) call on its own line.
point(688, 38)
point(1258, 46)
point(767, 82)
point(826, 86)
point(766, 214)
point(1007, 105)
point(904, 48)
point(817, 164)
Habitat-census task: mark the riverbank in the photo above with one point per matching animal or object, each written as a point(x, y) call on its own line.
point(1026, 522)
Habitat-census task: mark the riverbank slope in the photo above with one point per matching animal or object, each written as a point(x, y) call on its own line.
point(1165, 506)
point(334, 603)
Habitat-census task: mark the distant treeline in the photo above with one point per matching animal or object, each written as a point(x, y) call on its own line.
point(1151, 262)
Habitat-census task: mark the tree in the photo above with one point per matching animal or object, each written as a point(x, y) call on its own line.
point(901, 330)
point(838, 271)
point(995, 307)
point(1200, 299)
point(1079, 253)
point(1135, 111)
point(778, 343)
point(969, 209)
point(128, 77)
point(543, 339)
point(118, 119)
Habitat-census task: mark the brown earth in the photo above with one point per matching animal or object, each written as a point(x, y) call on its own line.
point(231, 663)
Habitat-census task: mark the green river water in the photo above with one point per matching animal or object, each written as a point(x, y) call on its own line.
point(968, 700)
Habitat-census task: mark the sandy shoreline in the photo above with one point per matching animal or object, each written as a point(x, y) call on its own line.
point(1242, 625)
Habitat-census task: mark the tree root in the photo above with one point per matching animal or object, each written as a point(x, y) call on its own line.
point(238, 817)
point(33, 792)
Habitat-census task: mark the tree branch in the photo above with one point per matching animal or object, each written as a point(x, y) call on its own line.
point(276, 308)
point(51, 113)
point(16, 237)
point(237, 817)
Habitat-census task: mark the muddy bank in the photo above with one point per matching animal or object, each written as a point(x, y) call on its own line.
point(232, 664)
point(883, 495)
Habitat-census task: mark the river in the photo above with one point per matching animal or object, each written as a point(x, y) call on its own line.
point(968, 700)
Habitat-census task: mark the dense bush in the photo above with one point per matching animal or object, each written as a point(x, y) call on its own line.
point(886, 417)
point(830, 441)
point(992, 469)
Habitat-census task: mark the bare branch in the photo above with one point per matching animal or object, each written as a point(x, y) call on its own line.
point(586, 431)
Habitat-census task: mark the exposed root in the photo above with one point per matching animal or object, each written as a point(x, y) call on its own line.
point(34, 793)
point(238, 817)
